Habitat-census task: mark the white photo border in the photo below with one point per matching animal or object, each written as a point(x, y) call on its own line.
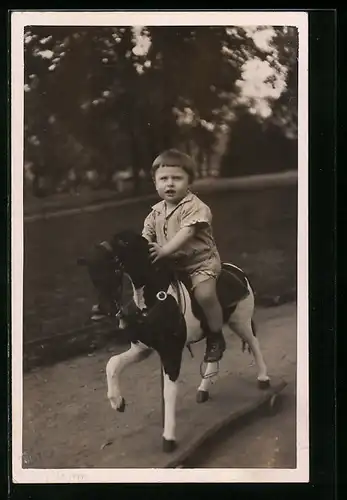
point(113, 18)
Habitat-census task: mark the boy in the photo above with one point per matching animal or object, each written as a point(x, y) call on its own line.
point(179, 228)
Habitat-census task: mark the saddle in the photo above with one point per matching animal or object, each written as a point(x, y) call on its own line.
point(231, 288)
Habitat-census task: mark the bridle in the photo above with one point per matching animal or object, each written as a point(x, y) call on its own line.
point(140, 314)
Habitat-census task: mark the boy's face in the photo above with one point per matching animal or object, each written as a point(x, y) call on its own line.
point(171, 183)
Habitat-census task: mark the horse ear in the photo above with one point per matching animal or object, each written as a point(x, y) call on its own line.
point(81, 261)
point(118, 241)
point(122, 243)
point(106, 245)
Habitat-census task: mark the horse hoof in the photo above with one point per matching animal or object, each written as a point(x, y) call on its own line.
point(169, 445)
point(263, 384)
point(202, 396)
point(121, 407)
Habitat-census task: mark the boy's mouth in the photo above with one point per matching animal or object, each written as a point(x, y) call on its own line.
point(170, 191)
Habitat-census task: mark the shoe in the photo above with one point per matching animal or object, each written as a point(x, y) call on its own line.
point(215, 346)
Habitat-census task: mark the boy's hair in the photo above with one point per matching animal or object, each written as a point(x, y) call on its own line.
point(174, 158)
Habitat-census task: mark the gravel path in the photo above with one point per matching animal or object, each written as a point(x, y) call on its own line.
point(68, 423)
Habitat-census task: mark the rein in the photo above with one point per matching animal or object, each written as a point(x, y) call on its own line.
point(161, 296)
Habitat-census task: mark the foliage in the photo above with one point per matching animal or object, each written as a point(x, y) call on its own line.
point(255, 147)
point(107, 99)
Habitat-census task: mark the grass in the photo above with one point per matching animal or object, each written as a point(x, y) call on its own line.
point(256, 230)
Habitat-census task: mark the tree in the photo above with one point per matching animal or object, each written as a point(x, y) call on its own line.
point(285, 108)
point(66, 78)
point(257, 147)
point(95, 101)
point(267, 144)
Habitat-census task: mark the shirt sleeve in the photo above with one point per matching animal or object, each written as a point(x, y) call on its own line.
point(148, 230)
point(195, 214)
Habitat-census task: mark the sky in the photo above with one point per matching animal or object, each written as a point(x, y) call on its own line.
point(254, 89)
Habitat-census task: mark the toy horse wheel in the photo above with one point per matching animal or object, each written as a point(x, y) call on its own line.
point(273, 405)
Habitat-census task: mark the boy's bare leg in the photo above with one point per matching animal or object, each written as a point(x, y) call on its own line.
point(206, 294)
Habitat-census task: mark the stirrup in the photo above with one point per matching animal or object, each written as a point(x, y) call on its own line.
point(214, 350)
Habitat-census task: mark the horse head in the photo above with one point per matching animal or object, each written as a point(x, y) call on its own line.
point(126, 252)
point(105, 270)
point(133, 252)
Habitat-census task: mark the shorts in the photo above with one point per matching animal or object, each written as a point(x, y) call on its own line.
point(202, 271)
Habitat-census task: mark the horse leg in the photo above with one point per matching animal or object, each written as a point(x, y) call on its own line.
point(241, 323)
point(245, 332)
point(170, 396)
point(202, 394)
point(171, 359)
point(114, 368)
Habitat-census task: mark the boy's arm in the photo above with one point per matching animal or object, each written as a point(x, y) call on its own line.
point(177, 242)
point(148, 230)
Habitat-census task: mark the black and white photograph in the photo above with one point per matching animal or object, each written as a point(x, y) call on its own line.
point(159, 246)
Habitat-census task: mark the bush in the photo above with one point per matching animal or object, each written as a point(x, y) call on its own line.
point(256, 148)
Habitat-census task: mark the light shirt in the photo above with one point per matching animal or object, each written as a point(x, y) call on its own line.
point(161, 226)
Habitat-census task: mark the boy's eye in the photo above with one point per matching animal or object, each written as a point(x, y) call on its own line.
point(173, 177)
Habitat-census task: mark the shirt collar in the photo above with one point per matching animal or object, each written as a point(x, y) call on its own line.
point(160, 206)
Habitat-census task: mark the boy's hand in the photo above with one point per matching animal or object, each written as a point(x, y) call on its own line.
point(156, 252)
